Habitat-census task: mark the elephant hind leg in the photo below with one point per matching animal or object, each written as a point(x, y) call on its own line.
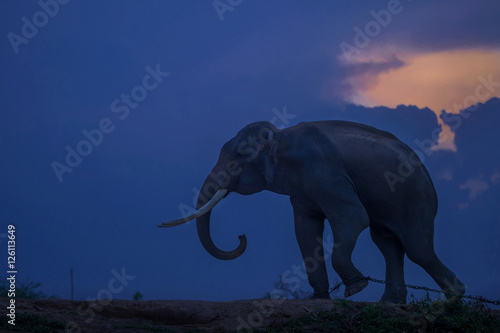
point(392, 250)
point(419, 247)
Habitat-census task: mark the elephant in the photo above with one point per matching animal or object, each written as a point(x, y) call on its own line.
point(352, 175)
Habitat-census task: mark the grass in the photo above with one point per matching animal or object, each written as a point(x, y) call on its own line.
point(370, 318)
point(425, 315)
point(455, 316)
point(24, 289)
point(33, 323)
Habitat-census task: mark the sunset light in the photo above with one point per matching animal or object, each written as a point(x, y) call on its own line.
point(448, 80)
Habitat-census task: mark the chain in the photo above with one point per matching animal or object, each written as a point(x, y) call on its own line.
point(476, 298)
point(336, 287)
point(406, 285)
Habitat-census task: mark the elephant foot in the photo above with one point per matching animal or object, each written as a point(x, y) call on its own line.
point(456, 290)
point(355, 287)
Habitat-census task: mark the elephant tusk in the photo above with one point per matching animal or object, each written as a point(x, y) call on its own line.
point(199, 212)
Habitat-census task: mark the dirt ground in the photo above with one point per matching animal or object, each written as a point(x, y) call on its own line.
point(170, 315)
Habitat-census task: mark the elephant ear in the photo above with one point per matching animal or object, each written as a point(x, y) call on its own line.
point(266, 157)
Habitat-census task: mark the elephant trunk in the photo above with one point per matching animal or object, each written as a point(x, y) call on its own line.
point(203, 226)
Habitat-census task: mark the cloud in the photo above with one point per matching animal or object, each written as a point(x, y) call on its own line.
point(435, 80)
point(476, 130)
point(445, 80)
point(360, 76)
point(495, 178)
point(445, 174)
point(444, 49)
point(475, 187)
point(447, 25)
point(475, 165)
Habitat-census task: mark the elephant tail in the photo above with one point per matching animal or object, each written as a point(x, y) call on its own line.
point(433, 188)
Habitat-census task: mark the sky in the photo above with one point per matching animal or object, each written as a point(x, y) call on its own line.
point(148, 92)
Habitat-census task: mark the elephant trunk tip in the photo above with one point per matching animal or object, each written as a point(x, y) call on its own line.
point(203, 227)
point(229, 255)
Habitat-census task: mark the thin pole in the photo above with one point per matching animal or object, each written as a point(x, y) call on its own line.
point(71, 284)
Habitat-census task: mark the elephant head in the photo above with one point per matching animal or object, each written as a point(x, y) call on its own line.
point(246, 165)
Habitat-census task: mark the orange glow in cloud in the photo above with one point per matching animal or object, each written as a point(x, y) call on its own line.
point(446, 80)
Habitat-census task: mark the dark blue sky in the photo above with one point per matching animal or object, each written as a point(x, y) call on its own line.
point(74, 73)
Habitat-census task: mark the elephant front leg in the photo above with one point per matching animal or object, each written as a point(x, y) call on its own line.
point(346, 229)
point(309, 229)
